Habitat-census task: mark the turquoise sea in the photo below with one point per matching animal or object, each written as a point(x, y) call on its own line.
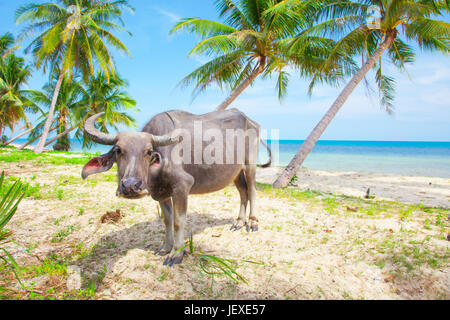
point(392, 157)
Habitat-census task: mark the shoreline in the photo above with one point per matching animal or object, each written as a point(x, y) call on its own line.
point(409, 189)
point(428, 191)
point(310, 245)
point(425, 161)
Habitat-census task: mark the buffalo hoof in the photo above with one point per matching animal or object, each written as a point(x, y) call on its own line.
point(252, 225)
point(174, 258)
point(163, 251)
point(237, 225)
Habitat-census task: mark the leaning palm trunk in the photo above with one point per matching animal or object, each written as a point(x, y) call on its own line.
point(63, 142)
point(26, 144)
point(65, 132)
point(17, 137)
point(289, 172)
point(236, 92)
point(40, 146)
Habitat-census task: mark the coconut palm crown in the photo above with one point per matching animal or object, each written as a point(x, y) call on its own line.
point(78, 101)
point(360, 27)
point(73, 35)
point(14, 75)
point(368, 29)
point(253, 41)
point(110, 97)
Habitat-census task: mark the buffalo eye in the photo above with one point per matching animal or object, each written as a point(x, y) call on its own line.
point(150, 152)
point(118, 150)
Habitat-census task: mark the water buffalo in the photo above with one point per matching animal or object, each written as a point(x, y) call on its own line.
point(172, 158)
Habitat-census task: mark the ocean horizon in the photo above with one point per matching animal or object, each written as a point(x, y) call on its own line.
point(416, 158)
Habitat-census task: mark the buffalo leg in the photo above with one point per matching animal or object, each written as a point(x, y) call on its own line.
point(250, 174)
point(241, 185)
point(179, 223)
point(166, 208)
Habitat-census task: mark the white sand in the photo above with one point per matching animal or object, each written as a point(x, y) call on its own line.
point(307, 252)
point(429, 191)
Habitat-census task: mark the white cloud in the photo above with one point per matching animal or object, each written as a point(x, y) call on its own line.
point(173, 17)
point(201, 60)
point(421, 106)
point(438, 75)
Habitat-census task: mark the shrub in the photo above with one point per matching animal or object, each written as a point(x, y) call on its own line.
point(9, 201)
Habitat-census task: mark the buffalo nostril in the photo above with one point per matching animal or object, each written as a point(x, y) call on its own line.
point(131, 186)
point(138, 185)
point(125, 186)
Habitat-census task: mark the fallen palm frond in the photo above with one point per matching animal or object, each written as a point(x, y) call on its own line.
point(213, 265)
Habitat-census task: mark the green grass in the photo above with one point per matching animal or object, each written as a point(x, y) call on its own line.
point(32, 190)
point(53, 265)
point(62, 234)
point(49, 157)
point(409, 255)
point(216, 266)
point(407, 251)
point(56, 268)
point(367, 208)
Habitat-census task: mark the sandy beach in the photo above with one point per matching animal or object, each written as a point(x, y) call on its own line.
point(429, 191)
point(127, 86)
point(309, 245)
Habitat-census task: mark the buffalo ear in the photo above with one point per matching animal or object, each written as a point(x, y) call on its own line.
point(99, 164)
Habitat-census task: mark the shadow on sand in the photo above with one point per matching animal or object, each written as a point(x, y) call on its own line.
point(147, 236)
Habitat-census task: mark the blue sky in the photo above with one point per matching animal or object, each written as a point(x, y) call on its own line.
point(159, 62)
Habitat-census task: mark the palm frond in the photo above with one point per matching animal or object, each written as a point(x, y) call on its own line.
point(233, 14)
point(431, 35)
point(202, 28)
point(386, 89)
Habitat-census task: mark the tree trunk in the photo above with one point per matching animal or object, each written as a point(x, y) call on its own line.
point(17, 137)
point(289, 172)
point(40, 146)
point(33, 140)
point(60, 135)
point(236, 92)
point(63, 142)
point(1, 126)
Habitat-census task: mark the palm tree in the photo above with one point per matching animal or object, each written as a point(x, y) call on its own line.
point(14, 74)
point(76, 102)
point(36, 132)
point(72, 36)
point(7, 44)
point(109, 96)
point(399, 22)
point(69, 99)
point(252, 42)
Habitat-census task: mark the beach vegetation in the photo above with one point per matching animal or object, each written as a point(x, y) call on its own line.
point(14, 76)
point(312, 244)
point(78, 101)
point(73, 36)
point(368, 30)
point(10, 197)
point(376, 235)
point(102, 94)
point(254, 41)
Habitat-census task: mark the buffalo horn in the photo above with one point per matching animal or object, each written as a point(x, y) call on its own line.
point(95, 134)
point(162, 141)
